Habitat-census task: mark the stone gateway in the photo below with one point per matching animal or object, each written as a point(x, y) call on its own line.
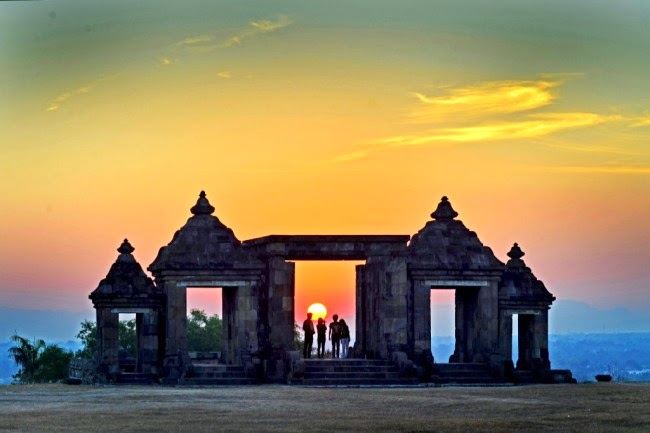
point(393, 307)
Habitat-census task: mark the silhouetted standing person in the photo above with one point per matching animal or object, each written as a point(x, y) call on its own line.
point(345, 338)
point(321, 329)
point(308, 327)
point(335, 336)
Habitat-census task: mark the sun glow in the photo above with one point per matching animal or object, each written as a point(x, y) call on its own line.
point(317, 310)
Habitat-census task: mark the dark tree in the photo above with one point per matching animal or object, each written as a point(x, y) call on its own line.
point(26, 355)
point(53, 364)
point(204, 334)
point(88, 337)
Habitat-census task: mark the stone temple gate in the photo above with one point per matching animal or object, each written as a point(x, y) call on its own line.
point(393, 302)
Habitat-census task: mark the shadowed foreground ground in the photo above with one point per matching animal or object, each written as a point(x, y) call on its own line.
point(558, 408)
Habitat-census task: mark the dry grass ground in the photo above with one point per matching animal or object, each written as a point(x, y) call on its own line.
point(558, 408)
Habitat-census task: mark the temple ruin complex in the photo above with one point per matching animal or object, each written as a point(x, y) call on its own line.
point(393, 306)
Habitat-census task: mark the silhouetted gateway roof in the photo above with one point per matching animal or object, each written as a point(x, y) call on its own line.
point(204, 243)
point(446, 244)
point(126, 282)
point(328, 247)
point(519, 284)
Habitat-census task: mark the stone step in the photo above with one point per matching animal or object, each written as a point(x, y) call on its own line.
point(134, 379)
point(348, 362)
point(215, 374)
point(217, 368)
point(349, 368)
point(355, 381)
point(462, 367)
point(223, 381)
point(351, 372)
point(354, 374)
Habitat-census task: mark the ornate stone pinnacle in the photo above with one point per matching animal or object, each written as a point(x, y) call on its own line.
point(126, 247)
point(444, 210)
point(202, 206)
point(516, 252)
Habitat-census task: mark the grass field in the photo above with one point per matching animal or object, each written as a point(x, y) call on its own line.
point(612, 407)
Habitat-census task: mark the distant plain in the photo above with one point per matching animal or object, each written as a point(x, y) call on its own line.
point(610, 407)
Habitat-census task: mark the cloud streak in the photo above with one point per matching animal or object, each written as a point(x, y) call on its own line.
point(64, 98)
point(493, 111)
point(534, 126)
point(613, 169)
point(254, 28)
point(485, 98)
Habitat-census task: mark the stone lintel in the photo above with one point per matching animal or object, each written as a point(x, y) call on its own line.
point(131, 310)
point(213, 283)
point(431, 274)
point(129, 303)
point(456, 283)
point(329, 247)
point(515, 307)
point(249, 274)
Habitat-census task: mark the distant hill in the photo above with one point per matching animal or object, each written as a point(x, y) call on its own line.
point(625, 356)
point(48, 325)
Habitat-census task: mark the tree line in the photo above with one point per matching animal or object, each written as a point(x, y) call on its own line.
point(39, 362)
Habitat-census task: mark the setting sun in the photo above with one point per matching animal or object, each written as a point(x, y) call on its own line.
point(318, 311)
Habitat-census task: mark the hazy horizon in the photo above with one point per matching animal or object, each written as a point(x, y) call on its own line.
point(306, 118)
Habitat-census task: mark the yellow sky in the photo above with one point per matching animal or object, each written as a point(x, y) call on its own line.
point(295, 119)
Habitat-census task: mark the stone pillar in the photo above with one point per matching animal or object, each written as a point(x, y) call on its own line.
point(462, 324)
point(176, 359)
point(505, 334)
point(231, 346)
point(485, 329)
point(421, 317)
point(386, 290)
point(147, 335)
point(374, 279)
point(395, 305)
point(247, 316)
point(108, 343)
point(360, 346)
point(139, 342)
point(541, 360)
point(281, 313)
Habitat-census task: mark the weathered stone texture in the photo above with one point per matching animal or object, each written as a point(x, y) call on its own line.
point(393, 296)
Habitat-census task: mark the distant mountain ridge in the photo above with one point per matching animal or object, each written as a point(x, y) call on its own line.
point(45, 324)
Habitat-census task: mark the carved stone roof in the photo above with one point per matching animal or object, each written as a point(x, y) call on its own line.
point(203, 244)
point(518, 282)
point(446, 244)
point(125, 279)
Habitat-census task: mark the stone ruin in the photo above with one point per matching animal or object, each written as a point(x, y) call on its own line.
point(393, 302)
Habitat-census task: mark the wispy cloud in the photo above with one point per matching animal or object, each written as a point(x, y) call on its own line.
point(484, 98)
point(64, 98)
point(494, 110)
point(536, 125)
point(604, 169)
point(640, 121)
point(226, 75)
point(254, 28)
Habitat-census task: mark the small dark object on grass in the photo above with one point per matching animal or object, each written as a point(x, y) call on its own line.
point(603, 377)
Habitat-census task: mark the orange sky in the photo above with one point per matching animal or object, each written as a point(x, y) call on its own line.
point(301, 119)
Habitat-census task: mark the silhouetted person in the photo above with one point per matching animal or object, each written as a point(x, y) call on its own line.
point(345, 338)
point(308, 327)
point(335, 336)
point(321, 329)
